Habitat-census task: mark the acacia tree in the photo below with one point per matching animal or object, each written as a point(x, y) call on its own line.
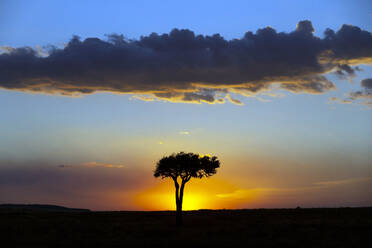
point(181, 167)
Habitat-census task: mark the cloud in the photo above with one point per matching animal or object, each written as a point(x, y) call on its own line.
point(245, 193)
point(338, 100)
point(90, 185)
point(234, 101)
point(367, 84)
point(340, 192)
point(181, 66)
point(343, 181)
point(203, 96)
point(364, 95)
point(143, 98)
point(87, 175)
point(242, 193)
point(184, 132)
point(346, 72)
point(92, 164)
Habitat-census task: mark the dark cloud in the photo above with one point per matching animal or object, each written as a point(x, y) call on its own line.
point(185, 67)
point(346, 72)
point(366, 83)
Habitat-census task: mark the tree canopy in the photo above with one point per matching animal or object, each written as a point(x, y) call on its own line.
point(186, 165)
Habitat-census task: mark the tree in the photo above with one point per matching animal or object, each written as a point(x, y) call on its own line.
point(181, 167)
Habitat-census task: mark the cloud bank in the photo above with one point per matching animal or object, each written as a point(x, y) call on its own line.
point(184, 67)
point(90, 185)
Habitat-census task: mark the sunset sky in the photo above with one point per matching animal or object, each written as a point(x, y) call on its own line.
point(91, 98)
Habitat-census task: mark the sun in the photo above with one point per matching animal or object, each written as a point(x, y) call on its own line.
point(193, 202)
point(199, 194)
point(166, 201)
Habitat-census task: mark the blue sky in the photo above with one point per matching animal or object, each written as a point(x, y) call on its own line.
point(288, 141)
point(54, 22)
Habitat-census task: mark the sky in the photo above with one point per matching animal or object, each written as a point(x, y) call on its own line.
point(94, 93)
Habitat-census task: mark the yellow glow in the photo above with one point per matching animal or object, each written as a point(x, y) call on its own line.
point(205, 155)
point(199, 194)
point(168, 202)
point(194, 202)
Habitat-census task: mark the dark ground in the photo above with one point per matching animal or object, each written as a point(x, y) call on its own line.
point(339, 227)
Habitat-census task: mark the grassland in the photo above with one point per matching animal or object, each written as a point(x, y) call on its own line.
point(338, 227)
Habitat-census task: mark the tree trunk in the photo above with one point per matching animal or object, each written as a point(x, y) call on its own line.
point(179, 221)
point(178, 205)
point(179, 199)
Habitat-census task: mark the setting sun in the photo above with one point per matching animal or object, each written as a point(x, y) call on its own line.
point(199, 194)
point(167, 202)
point(194, 202)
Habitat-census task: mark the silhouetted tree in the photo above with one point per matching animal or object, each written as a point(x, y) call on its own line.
point(181, 167)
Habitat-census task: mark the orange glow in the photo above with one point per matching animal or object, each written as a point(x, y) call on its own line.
point(199, 194)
